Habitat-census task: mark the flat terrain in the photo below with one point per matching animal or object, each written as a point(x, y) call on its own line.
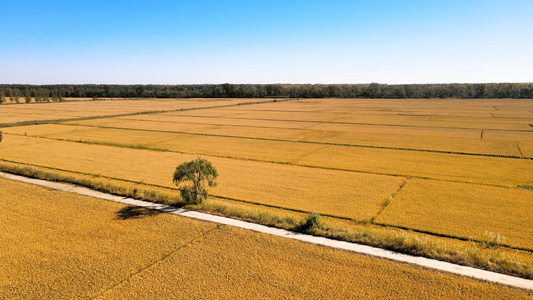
point(339, 157)
point(450, 171)
point(60, 245)
point(86, 109)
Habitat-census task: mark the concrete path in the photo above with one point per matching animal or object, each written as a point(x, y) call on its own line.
point(421, 261)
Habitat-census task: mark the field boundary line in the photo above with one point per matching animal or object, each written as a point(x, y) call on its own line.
point(388, 200)
point(361, 249)
point(519, 150)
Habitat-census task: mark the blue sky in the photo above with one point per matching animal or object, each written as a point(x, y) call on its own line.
point(337, 41)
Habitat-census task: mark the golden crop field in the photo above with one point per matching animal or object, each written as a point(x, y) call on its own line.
point(463, 210)
point(523, 136)
point(59, 245)
point(466, 164)
point(79, 109)
point(440, 113)
point(442, 140)
point(474, 169)
point(357, 195)
point(526, 148)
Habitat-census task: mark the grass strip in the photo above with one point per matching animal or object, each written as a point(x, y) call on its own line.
point(403, 242)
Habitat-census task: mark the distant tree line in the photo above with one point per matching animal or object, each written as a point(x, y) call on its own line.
point(17, 93)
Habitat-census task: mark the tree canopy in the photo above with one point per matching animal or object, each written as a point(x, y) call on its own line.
point(228, 90)
point(191, 177)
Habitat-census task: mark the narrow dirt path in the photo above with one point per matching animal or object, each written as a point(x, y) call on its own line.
point(367, 250)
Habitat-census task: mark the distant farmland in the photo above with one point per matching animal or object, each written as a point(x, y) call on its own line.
point(456, 173)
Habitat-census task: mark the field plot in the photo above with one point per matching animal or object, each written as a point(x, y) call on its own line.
point(381, 128)
point(59, 245)
point(416, 138)
point(447, 113)
point(356, 195)
point(462, 161)
point(65, 110)
point(464, 210)
point(472, 169)
point(475, 169)
point(254, 149)
point(526, 148)
point(509, 135)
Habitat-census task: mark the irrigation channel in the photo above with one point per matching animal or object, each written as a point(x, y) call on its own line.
point(362, 249)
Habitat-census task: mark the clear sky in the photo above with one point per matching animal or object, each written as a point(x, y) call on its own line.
point(265, 41)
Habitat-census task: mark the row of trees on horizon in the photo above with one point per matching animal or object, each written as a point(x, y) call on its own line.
point(17, 93)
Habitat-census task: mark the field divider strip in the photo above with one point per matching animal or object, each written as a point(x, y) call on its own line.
point(164, 257)
point(519, 150)
point(388, 201)
point(362, 249)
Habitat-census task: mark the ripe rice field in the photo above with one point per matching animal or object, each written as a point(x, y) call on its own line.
point(83, 109)
point(452, 208)
point(59, 245)
point(250, 181)
point(474, 169)
point(446, 168)
point(437, 140)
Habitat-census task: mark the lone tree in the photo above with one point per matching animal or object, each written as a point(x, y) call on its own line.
point(192, 177)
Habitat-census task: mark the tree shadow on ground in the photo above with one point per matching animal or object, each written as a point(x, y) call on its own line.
point(135, 212)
